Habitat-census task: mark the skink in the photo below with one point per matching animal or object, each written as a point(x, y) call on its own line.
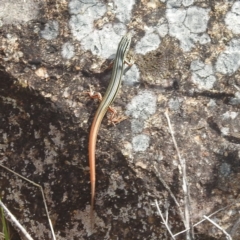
point(108, 98)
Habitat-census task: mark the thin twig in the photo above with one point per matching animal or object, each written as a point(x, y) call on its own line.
point(165, 223)
point(216, 225)
point(166, 207)
point(171, 194)
point(8, 214)
point(221, 209)
point(235, 227)
point(44, 200)
point(184, 179)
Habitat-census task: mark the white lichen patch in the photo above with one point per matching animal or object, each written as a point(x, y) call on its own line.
point(85, 219)
point(116, 182)
point(15, 11)
point(67, 50)
point(142, 106)
point(230, 115)
point(101, 42)
point(124, 213)
point(174, 104)
point(196, 19)
point(202, 74)
point(179, 3)
point(187, 3)
point(225, 131)
point(56, 136)
point(152, 37)
point(232, 19)
point(229, 61)
point(162, 27)
point(83, 14)
point(174, 3)
point(39, 228)
point(140, 143)
point(188, 25)
point(50, 30)
point(16, 194)
point(137, 126)
point(132, 76)
point(236, 99)
point(148, 43)
point(123, 10)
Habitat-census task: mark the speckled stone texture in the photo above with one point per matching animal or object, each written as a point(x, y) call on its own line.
point(187, 60)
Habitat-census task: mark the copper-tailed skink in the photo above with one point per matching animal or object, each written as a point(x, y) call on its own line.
point(108, 98)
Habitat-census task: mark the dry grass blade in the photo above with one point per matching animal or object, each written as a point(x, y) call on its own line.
point(165, 222)
point(44, 200)
point(219, 210)
point(184, 179)
point(235, 227)
point(216, 225)
point(9, 215)
point(5, 230)
point(170, 192)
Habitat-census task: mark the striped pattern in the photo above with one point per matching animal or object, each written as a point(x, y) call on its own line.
point(108, 98)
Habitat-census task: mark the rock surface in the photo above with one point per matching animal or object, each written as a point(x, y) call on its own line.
point(187, 59)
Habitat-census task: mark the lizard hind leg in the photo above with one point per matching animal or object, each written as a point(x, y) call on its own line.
point(113, 118)
point(94, 95)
